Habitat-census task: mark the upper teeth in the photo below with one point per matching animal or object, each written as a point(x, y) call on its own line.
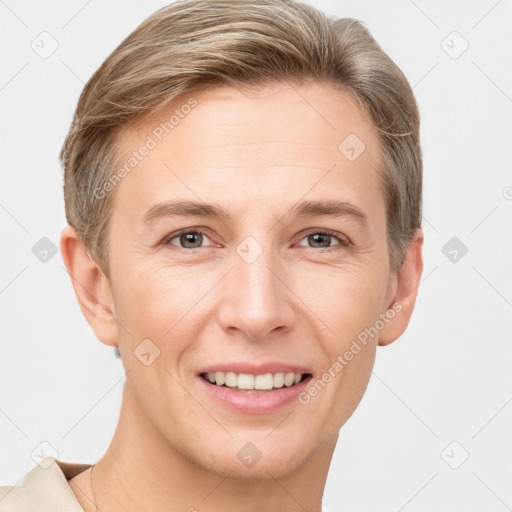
point(248, 381)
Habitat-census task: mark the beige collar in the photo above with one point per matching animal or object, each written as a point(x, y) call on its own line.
point(45, 487)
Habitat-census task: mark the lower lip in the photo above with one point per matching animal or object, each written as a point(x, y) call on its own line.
point(255, 403)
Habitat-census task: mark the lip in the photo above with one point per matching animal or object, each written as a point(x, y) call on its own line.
point(254, 369)
point(253, 403)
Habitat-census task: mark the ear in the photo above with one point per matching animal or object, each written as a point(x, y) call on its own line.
point(407, 282)
point(92, 287)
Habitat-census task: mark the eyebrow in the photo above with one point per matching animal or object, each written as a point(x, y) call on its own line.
point(333, 208)
point(184, 209)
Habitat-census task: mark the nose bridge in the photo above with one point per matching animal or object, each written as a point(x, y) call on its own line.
point(258, 301)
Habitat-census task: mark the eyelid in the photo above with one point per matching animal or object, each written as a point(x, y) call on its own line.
point(343, 239)
point(176, 234)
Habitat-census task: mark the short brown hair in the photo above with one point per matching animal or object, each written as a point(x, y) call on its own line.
point(195, 44)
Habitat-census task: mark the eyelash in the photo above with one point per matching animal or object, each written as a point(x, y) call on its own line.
point(343, 241)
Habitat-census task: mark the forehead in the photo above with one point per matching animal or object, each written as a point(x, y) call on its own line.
point(222, 141)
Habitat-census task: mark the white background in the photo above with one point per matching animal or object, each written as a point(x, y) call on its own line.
point(447, 379)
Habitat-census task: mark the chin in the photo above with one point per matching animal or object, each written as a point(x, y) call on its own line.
point(255, 455)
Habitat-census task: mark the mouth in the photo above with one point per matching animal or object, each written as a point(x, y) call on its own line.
point(254, 383)
point(254, 389)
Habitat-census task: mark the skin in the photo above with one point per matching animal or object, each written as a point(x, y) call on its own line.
point(256, 155)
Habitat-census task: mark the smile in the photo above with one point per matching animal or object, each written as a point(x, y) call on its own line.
point(251, 383)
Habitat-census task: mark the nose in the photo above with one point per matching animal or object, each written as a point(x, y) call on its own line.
point(258, 301)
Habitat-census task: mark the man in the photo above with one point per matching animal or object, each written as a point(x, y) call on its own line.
point(243, 193)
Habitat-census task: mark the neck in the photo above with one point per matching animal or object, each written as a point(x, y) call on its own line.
point(142, 470)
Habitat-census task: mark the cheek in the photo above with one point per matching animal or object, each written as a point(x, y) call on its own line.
point(351, 308)
point(161, 304)
point(151, 296)
point(346, 301)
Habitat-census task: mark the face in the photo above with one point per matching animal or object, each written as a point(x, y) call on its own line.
point(277, 270)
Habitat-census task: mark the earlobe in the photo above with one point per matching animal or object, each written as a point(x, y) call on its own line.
point(407, 282)
point(91, 286)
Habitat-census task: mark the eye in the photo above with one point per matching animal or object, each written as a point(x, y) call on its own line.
point(191, 239)
point(321, 239)
point(324, 240)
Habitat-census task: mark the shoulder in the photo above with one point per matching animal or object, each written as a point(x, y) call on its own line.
point(45, 487)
